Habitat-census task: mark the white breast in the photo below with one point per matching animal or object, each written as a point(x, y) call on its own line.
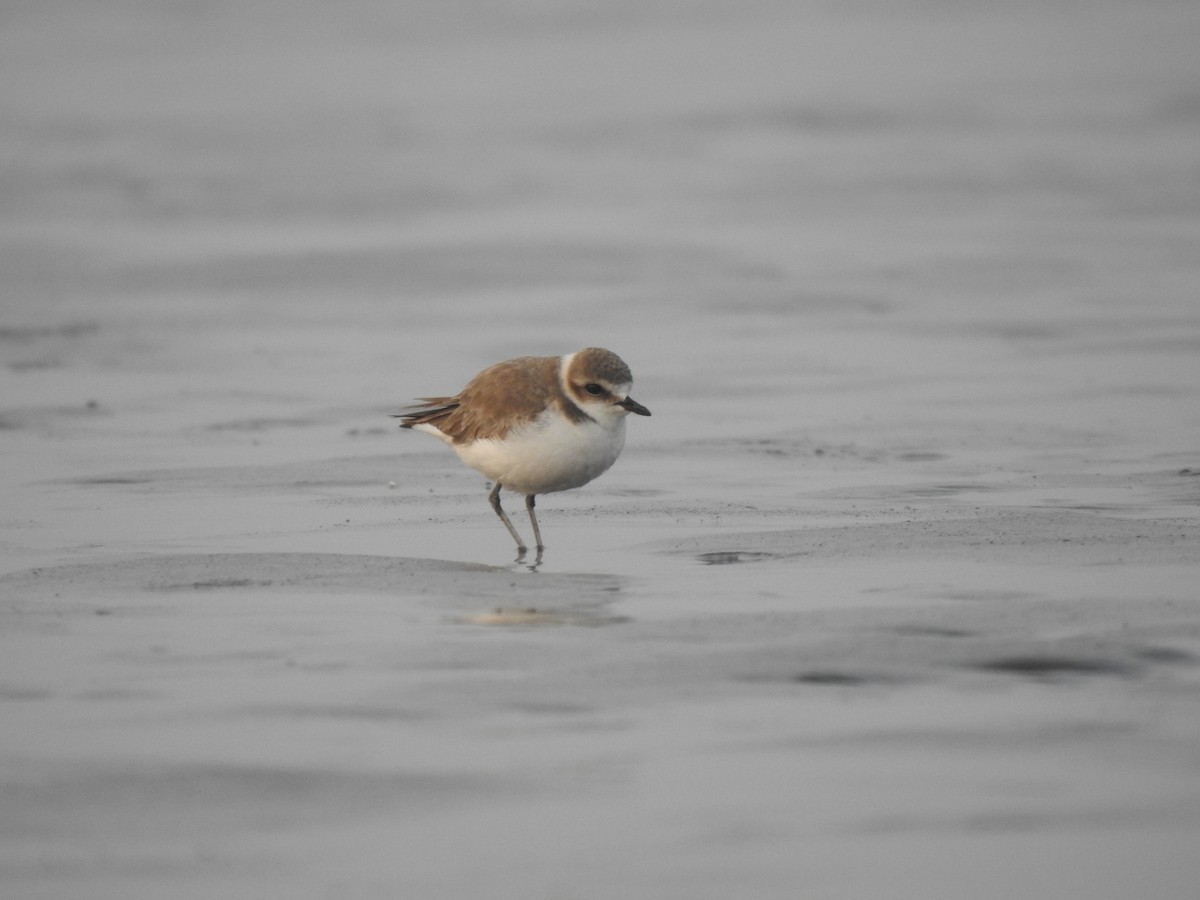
point(550, 454)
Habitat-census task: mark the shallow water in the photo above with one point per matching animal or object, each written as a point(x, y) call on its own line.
point(893, 595)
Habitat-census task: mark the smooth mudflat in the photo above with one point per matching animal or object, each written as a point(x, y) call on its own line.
point(896, 597)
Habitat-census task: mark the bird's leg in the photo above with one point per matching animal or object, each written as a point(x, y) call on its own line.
point(537, 533)
point(494, 499)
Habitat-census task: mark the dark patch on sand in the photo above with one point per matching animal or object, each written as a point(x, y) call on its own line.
point(1051, 667)
point(264, 423)
point(113, 479)
point(730, 557)
point(1166, 656)
point(23, 334)
point(831, 678)
point(932, 631)
point(217, 583)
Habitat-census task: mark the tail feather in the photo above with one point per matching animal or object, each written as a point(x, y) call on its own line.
point(430, 409)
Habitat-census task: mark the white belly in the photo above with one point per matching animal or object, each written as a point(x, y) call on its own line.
point(550, 454)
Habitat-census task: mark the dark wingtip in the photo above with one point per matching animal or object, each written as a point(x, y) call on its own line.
point(428, 409)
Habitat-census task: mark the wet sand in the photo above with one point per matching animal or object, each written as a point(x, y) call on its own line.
point(894, 595)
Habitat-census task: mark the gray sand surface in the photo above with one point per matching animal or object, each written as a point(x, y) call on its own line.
point(897, 594)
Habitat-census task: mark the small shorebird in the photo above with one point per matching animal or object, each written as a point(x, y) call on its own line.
point(535, 424)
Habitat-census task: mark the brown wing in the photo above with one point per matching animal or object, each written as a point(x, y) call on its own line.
point(496, 400)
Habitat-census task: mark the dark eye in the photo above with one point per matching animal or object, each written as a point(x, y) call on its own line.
point(594, 389)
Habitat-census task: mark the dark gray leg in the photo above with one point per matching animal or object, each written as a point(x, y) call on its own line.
point(537, 534)
point(494, 498)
